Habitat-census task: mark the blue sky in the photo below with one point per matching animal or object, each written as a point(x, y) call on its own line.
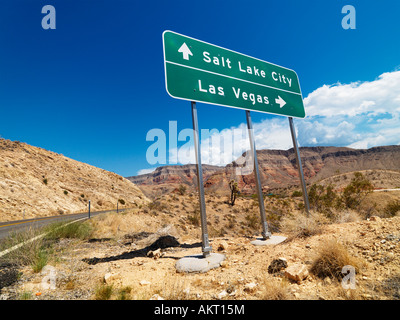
point(94, 87)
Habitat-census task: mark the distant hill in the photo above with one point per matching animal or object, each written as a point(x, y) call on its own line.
point(168, 178)
point(278, 168)
point(45, 183)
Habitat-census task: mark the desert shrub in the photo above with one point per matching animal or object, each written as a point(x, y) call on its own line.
point(252, 221)
point(37, 253)
point(303, 226)
point(347, 216)
point(26, 295)
point(65, 192)
point(274, 218)
point(356, 191)
point(392, 208)
point(103, 292)
point(322, 199)
point(26, 254)
point(273, 289)
point(182, 189)
point(157, 205)
point(124, 293)
point(231, 222)
point(390, 287)
point(297, 193)
point(45, 181)
point(40, 260)
point(194, 218)
point(121, 201)
point(233, 186)
point(74, 230)
point(214, 232)
point(332, 257)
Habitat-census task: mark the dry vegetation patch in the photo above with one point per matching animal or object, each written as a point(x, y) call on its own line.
point(332, 256)
point(119, 245)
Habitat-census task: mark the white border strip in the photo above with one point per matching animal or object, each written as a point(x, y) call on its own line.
point(223, 75)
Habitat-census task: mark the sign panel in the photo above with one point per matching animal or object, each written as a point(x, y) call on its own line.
point(199, 71)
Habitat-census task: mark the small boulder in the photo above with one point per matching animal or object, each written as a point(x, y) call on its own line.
point(155, 254)
point(222, 246)
point(222, 294)
point(250, 287)
point(144, 283)
point(156, 297)
point(111, 277)
point(375, 218)
point(296, 272)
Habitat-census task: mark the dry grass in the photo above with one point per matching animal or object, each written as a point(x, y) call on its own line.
point(302, 226)
point(332, 257)
point(27, 253)
point(274, 289)
point(347, 216)
point(116, 225)
point(174, 289)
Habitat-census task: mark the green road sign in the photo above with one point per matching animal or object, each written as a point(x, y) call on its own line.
point(199, 71)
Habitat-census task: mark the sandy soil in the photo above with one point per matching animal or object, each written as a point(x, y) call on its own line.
point(82, 267)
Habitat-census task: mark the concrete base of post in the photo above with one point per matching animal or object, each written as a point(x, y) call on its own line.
point(270, 241)
point(199, 263)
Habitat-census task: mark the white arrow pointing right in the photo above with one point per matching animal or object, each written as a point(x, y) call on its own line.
point(185, 51)
point(280, 101)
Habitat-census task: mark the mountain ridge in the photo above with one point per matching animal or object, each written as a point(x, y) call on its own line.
point(278, 168)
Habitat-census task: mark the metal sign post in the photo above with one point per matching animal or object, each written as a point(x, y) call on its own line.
point(198, 71)
point(265, 233)
point(89, 210)
point(204, 233)
point(300, 168)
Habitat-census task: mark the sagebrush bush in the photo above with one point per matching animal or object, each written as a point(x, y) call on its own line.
point(356, 191)
point(392, 208)
point(332, 257)
point(273, 289)
point(103, 292)
point(303, 226)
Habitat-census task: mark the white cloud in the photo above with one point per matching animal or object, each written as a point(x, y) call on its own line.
point(145, 171)
point(223, 147)
point(358, 98)
point(357, 115)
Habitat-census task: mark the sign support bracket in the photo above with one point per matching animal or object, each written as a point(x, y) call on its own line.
point(299, 166)
point(204, 233)
point(265, 233)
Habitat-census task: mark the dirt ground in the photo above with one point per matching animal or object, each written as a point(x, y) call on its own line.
point(117, 257)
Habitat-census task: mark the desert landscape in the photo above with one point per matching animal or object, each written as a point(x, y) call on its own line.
point(36, 182)
point(131, 255)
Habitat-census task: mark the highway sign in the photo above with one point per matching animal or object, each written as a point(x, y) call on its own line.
point(198, 71)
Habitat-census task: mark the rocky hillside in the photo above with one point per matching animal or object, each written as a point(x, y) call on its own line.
point(168, 178)
point(278, 168)
point(45, 183)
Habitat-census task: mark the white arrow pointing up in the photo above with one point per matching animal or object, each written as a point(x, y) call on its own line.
point(185, 51)
point(280, 101)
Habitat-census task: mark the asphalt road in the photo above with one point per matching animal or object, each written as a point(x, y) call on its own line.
point(17, 226)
